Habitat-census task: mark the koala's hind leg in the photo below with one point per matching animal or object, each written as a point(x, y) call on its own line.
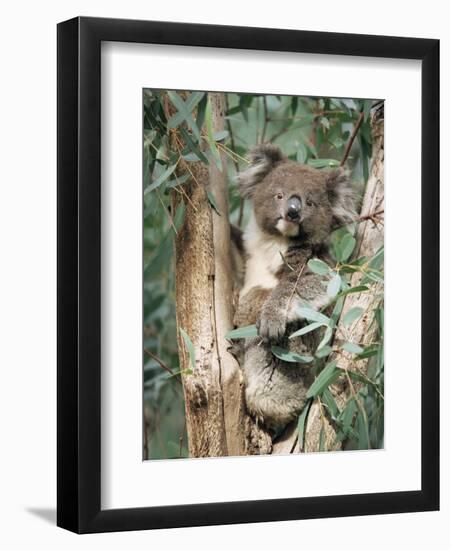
point(275, 391)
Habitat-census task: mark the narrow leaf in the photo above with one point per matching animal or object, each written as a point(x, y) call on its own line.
point(329, 375)
point(221, 136)
point(323, 163)
point(326, 338)
point(162, 178)
point(313, 315)
point(242, 332)
point(330, 403)
point(194, 147)
point(323, 352)
point(346, 247)
point(189, 345)
point(353, 290)
point(352, 348)
point(305, 330)
point(302, 424)
point(289, 356)
point(352, 314)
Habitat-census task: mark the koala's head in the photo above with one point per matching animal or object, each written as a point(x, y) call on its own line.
point(295, 200)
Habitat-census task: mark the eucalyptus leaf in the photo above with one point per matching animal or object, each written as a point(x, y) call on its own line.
point(324, 351)
point(313, 315)
point(323, 163)
point(162, 178)
point(289, 356)
point(334, 286)
point(242, 332)
point(352, 347)
point(302, 424)
point(352, 314)
point(346, 247)
point(329, 375)
point(189, 346)
point(305, 330)
point(318, 266)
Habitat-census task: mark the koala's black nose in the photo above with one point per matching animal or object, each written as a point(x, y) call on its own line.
point(294, 205)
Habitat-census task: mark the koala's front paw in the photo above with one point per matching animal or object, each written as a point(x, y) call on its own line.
point(271, 325)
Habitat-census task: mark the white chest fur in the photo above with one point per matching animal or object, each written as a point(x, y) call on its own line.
point(264, 257)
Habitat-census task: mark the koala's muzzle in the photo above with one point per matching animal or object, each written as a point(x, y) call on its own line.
point(293, 208)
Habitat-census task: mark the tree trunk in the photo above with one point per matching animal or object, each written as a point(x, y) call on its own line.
point(370, 237)
point(216, 419)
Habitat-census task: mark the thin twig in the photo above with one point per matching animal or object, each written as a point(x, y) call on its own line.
point(158, 360)
point(266, 119)
point(372, 216)
point(352, 138)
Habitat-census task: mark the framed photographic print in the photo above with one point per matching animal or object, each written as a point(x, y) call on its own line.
point(248, 304)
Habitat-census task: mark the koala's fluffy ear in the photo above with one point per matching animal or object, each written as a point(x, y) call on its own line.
point(341, 196)
point(262, 159)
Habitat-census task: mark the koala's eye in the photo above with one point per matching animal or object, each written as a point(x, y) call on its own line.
point(279, 196)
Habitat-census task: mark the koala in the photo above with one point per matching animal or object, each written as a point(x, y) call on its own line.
point(294, 209)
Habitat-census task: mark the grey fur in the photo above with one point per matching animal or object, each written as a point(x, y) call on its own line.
point(276, 390)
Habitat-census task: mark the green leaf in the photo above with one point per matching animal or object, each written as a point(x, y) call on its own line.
point(313, 315)
point(368, 351)
point(323, 163)
point(352, 348)
point(302, 153)
point(330, 403)
point(178, 219)
point(175, 182)
point(318, 266)
point(329, 375)
point(242, 332)
point(305, 330)
point(289, 356)
point(162, 178)
point(221, 136)
point(189, 346)
point(322, 440)
point(337, 310)
point(355, 375)
point(353, 290)
point(377, 259)
point(192, 157)
point(346, 247)
point(185, 109)
point(212, 201)
point(334, 286)
point(347, 415)
point(366, 108)
point(193, 147)
point(326, 338)
point(302, 424)
point(363, 431)
point(324, 351)
point(201, 111)
point(352, 314)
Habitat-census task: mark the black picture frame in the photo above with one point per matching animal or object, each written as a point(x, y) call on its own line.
point(79, 280)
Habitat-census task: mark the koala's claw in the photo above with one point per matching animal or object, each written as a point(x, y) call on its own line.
point(271, 328)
